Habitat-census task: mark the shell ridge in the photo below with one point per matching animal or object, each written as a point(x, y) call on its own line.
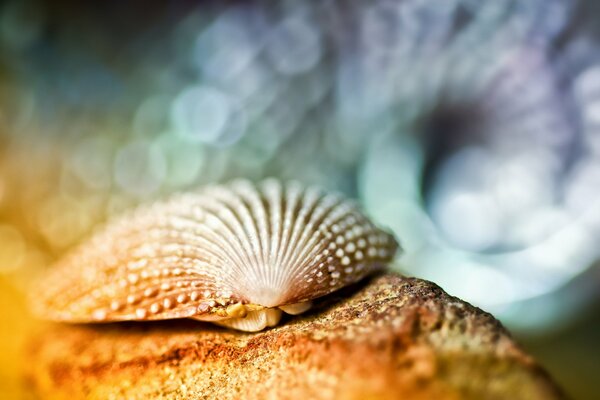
point(244, 229)
point(139, 245)
point(276, 198)
point(252, 233)
point(343, 259)
point(81, 294)
point(264, 219)
point(239, 252)
point(318, 248)
point(292, 207)
point(259, 218)
point(109, 293)
point(307, 245)
point(301, 214)
point(271, 192)
point(318, 220)
point(214, 226)
point(202, 248)
point(137, 236)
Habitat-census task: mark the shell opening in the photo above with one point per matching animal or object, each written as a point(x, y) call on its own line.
point(296, 308)
point(254, 321)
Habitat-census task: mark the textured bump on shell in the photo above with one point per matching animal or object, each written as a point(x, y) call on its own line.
point(228, 251)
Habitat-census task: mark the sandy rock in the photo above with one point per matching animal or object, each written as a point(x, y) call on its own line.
point(391, 337)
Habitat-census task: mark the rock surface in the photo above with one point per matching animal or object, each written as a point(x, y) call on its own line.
point(391, 337)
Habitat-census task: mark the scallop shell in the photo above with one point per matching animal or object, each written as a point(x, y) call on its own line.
point(238, 255)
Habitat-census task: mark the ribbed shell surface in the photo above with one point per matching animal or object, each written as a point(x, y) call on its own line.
point(201, 254)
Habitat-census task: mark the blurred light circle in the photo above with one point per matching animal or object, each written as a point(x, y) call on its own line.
point(583, 187)
point(591, 114)
point(567, 251)
point(256, 101)
point(206, 114)
point(118, 203)
point(587, 84)
point(458, 203)
point(481, 283)
point(522, 182)
point(140, 168)
point(412, 224)
point(286, 116)
point(151, 116)
point(34, 262)
point(91, 161)
point(12, 248)
point(63, 221)
point(294, 45)
point(252, 84)
point(226, 47)
point(184, 159)
point(391, 171)
point(315, 86)
point(469, 220)
point(265, 137)
point(540, 223)
point(236, 127)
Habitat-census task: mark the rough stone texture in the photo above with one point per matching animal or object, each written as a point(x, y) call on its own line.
point(392, 337)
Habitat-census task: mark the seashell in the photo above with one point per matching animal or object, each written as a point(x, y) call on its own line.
point(237, 255)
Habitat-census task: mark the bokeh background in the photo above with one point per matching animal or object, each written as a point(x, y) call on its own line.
point(470, 128)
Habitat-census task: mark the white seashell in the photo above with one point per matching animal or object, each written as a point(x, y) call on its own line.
point(237, 254)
